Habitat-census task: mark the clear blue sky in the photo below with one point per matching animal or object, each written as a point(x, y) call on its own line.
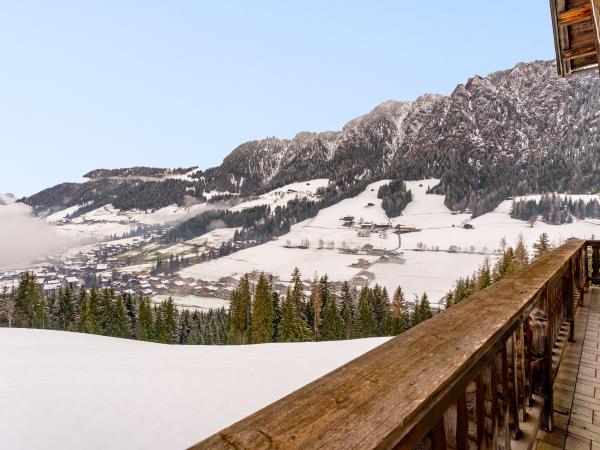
point(102, 84)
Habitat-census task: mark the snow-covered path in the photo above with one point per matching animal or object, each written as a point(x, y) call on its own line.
point(65, 391)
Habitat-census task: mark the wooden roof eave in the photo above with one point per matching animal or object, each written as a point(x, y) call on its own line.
point(576, 26)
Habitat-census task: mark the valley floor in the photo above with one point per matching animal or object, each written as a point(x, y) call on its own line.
point(62, 390)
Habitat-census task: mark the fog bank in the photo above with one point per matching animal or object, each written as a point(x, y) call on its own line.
point(25, 239)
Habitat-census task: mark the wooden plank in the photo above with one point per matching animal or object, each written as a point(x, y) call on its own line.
point(576, 15)
point(395, 394)
point(480, 411)
point(581, 52)
point(438, 435)
point(558, 32)
point(462, 423)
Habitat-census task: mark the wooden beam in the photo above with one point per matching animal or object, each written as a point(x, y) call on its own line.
point(560, 65)
point(581, 52)
point(573, 16)
point(596, 20)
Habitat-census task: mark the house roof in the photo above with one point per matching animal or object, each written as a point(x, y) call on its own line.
point(576, 25)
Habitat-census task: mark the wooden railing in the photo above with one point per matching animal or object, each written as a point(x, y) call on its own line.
point(478, 375)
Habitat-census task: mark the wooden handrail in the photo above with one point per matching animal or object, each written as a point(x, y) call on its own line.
point(490, 353)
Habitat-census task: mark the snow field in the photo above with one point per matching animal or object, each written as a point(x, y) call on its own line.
point(66, 391)
point(281, 196)
point(193, 302)
point(430, 271)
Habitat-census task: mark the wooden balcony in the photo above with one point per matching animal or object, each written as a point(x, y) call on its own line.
point(513, 366)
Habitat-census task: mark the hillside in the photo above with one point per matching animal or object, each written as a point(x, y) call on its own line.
point(513, 132)
point(428, 260)
point(84, 391)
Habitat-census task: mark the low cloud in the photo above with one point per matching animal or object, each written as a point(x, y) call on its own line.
point(25, 239)
point(216, 224)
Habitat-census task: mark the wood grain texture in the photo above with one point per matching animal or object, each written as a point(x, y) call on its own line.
point(576, 34)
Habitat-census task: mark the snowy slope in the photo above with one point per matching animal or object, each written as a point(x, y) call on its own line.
point(193, 302)
point(426, 264)
point(107, 220)
point(273, 257)
point(282, 195)
point(67, 391)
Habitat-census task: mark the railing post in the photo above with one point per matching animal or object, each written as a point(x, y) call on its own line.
point(514, 392)
point(480, 412)
point(462, 423)
point(438, 435)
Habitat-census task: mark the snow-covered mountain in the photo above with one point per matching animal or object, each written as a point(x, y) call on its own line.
point(517, 131)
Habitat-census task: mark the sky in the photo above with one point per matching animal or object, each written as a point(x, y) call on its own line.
point(119, 83)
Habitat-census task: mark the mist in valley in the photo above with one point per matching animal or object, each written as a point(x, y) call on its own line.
point(25, 239)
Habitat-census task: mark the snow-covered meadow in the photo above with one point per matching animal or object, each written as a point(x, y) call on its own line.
point(72, 391)
point(432, 259)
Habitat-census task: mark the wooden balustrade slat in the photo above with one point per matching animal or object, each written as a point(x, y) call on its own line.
point(480, 411)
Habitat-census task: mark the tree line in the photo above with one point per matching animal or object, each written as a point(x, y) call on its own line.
point(555, 209)
point(395, 197)
point(511, 260)
point(108, 313)
point(257, 313)
point(325, 314)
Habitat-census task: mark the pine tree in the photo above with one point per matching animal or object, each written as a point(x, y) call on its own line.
point(92, 325)
point(170, 317)
point(263, 315)
point(158, 330)
point(399, 314)
point(239, 313)
point(105, 310)
point(542, 246)
point(298, 295)
point(185, 327)
point(506, 265)
point(293, 326)
point(145, 323)
point(276, 309)
point(416, 316)
point(332, 327)
point(66, 308)
point(484, 278)
point(521, 254)
point(83, 317)
point(315, 309)
point(132, 313)
point(30, 305)
point(51, 310)
point(121, 325)
point(347, 311)
point(449, 299)
point(425, 308)
point(365, 316)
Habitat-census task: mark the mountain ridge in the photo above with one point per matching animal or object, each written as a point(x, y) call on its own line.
point(512, 132)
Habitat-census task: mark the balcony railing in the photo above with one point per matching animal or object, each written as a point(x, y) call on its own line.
point(478, 375)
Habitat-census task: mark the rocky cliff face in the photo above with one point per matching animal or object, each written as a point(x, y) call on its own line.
point(515, 131)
